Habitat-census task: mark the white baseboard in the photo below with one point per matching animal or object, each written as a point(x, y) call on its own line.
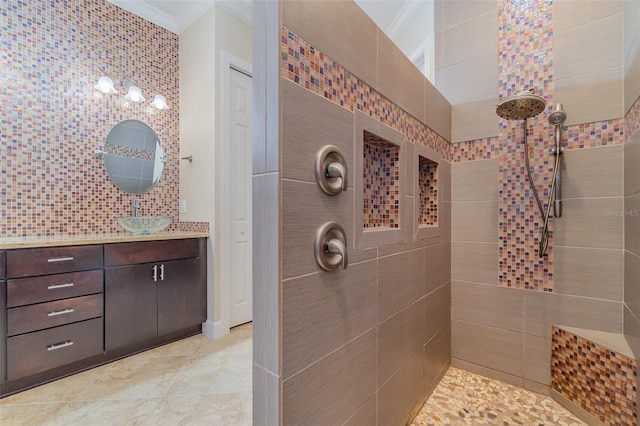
point(214, 329)
point(208, 329)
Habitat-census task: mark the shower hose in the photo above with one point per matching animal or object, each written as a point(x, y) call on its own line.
point(544, 238)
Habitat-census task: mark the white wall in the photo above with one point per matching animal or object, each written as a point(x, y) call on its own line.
point(419, 34)
point(200, 89)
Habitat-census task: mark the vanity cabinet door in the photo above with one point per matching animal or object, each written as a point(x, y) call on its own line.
point(182, 295)
point(1, 266)
point(131, 305)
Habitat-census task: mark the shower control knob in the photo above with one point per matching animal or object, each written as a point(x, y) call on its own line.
point(331, 170)
point(330, 247)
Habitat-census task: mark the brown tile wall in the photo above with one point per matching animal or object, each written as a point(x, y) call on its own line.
point(363, 345)
point(584, 279)
point(632, 177)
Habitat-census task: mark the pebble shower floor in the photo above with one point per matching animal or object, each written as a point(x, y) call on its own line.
point(464, 398)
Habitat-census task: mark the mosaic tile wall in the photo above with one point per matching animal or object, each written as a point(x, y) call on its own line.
point(477, 149)
point(305, 65)
point(381, 201)
point(632, 120)
point(193, 226)
point(428, 185)
point(51, 119)
point(524, 62)
point(599, 380)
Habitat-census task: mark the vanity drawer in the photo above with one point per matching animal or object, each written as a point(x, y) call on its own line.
point(46, 315)
point(35, 352)
point(26, 291)
point(43, 261)
point(149, 251)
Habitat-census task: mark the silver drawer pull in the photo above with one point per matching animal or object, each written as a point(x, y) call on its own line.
point(59, 259)
point(55, 313)
point(59, 345)
point(53, 287)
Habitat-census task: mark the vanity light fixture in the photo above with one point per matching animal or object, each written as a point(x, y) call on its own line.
point(134, 94)
point(105, 85)
point(159, 102)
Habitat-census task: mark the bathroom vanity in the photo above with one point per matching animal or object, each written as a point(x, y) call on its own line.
point(70, 305)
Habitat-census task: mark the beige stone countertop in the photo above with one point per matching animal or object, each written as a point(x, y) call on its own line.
point(77, 240)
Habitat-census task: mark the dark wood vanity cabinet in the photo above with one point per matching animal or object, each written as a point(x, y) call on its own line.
point(153, 289)
point(53, 308)
point(66, 309)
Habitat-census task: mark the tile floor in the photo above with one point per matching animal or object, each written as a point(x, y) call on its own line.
point(464, 398)
point(197, 381)
point(192, 381)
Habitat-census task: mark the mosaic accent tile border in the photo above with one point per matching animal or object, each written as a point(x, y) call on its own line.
point(428, 185)
point(51, 118)
point(632, 120)
point(601, 381)
point(525, 37)
point(477, 149)
point(305, 65)
point(578, 136)
point(593, 135)
point(193, 226)
point(381, 187)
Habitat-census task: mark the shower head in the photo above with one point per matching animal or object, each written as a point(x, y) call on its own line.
point(558, 116)
point(521, 106)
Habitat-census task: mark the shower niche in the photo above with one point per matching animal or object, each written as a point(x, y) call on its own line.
point(380, 181)
point(426, 215)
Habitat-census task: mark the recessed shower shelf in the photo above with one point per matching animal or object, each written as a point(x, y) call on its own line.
point(380, 182)
point(427, 203)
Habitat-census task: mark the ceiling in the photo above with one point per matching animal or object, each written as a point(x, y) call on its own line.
point(176, 15)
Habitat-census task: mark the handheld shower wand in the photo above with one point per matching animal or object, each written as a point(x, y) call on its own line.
point(523, 106)
point(556, 119)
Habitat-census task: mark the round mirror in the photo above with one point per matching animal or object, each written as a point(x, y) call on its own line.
point(133, 156)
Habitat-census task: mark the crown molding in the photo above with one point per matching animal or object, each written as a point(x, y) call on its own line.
point(187, 16)
point(241, 9)
point(408, 10)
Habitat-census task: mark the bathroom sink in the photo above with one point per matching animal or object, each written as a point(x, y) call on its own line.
point(144, 225)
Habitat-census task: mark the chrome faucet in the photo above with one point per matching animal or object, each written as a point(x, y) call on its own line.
point(135, 206)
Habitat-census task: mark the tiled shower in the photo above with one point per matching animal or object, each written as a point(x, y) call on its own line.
point(442, 244)
point(504, 298)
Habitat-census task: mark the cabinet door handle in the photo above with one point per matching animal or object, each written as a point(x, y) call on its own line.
point(53, 287)
point(155, 273)
point(162, 272)
point(56, 313)
point(59, 345)
point(59, 259)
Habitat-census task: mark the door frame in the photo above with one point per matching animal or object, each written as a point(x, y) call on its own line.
point(221, 228)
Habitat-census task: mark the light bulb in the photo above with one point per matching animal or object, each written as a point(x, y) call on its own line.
point(159, 102)
point(105, 85)
point(134, 94)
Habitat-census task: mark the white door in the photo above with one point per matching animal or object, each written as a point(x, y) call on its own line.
point(240, 266)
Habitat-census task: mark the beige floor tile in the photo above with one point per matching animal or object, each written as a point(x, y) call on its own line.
point(214, 409)
point(130, 391)
point(221, 372)
point(31, 414)
point(134, 378)
point(108, 412)
point(58, 391)
point(184, 347)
